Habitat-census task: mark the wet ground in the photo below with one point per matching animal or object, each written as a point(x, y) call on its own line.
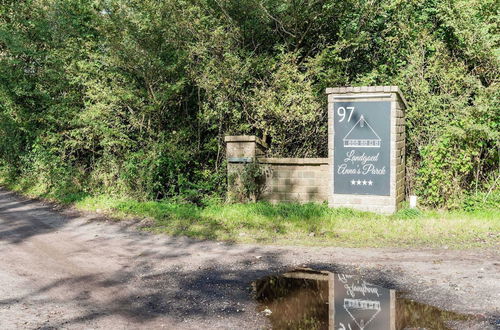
point(61, 269)
point(302, 299)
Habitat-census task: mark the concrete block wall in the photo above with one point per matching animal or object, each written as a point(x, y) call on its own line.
point(285, 179)
point(295, 179)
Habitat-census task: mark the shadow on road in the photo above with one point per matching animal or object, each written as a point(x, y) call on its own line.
point(70, 271)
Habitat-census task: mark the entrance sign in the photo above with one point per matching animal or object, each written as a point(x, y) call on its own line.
point(355, 304)
point(362, 148)
point(366, 148)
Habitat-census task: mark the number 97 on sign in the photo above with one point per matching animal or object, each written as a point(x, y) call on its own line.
point(343, 112)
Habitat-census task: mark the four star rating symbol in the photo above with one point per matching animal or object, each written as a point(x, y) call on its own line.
point(361, 183)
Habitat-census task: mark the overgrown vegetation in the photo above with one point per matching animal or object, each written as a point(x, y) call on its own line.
point(246, 183)
point(133, 98)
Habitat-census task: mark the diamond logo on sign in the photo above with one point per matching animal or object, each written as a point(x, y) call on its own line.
point(361, 156)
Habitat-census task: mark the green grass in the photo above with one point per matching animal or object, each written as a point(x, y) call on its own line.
point(296, 224)
point(308, 224)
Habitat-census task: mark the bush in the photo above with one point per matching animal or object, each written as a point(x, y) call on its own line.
point(482, 201)
point(135, 97)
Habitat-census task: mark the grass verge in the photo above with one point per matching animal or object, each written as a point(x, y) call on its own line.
point(297, 224)
point(308, 224)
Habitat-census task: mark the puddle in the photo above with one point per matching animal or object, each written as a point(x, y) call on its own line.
point(300, 300)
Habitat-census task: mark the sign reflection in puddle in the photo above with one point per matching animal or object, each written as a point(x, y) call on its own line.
point(300, 300)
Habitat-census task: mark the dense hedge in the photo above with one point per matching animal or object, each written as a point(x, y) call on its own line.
point(135, 96)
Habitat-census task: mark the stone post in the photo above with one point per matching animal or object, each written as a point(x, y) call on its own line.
point(366, 148)
point(240, 150)
point(243, 148)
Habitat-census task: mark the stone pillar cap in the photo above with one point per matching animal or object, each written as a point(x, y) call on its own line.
point(244, 138)
point(367, 89)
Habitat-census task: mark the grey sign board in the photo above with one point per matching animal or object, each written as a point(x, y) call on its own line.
point(362, 148)
point(359, 305)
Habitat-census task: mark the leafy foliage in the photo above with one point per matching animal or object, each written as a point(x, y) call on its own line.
point(134, 97)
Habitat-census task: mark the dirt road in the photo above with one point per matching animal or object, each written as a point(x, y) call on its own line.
point(61, 269)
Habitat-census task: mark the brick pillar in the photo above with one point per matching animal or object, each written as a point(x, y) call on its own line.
point(243, 148)
point(240, 149)
point(366, 147)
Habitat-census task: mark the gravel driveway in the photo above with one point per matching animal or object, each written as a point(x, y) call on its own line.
point(64, 269)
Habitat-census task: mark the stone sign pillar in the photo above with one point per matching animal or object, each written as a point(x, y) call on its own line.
point(366, 147)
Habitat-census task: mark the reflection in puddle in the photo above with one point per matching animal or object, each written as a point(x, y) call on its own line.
point(300, 300)
point(294, 303)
